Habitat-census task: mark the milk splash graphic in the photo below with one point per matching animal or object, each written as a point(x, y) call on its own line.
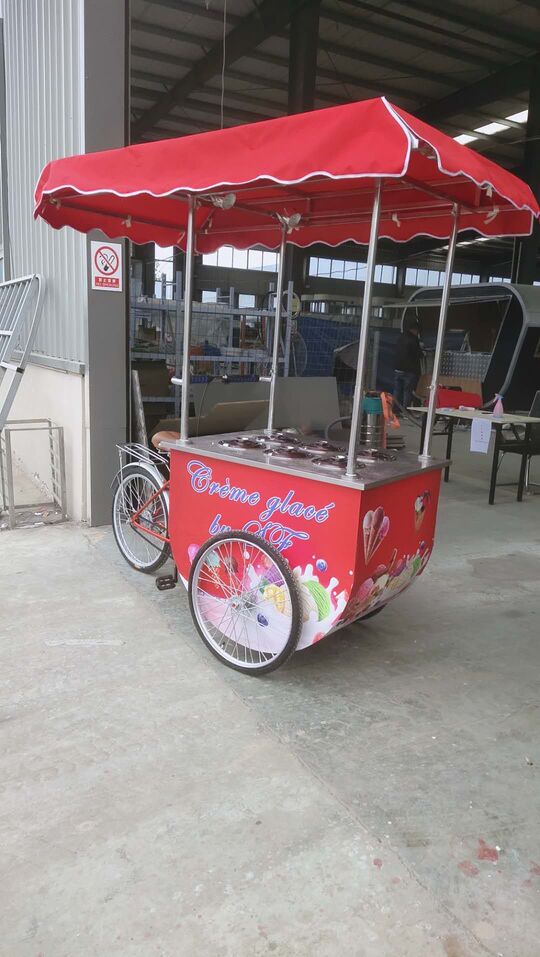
point(263, 630)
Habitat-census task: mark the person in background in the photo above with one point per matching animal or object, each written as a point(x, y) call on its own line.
point(407, 364)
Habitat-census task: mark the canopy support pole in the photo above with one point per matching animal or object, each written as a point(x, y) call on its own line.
point(277, 325)
point(356, 417)
point(445, 298)
point(188, 311)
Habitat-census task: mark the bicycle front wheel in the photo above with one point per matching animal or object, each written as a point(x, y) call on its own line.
point(140, 519)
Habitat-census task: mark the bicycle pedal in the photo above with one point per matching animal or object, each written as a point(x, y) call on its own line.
point(165, 582)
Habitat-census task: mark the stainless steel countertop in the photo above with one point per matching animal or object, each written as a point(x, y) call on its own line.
point(405, 465)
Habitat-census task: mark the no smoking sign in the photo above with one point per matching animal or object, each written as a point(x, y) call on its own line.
point(106, 266)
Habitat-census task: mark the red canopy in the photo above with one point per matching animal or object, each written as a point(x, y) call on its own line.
point(320, 164)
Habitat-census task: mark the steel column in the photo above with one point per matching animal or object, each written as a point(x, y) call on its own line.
point(526, 267)
point(188, 310)
point(277, 324)
point(430, 418)
point(364, 332)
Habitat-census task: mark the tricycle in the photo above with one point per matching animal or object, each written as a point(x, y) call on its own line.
point(282, 538)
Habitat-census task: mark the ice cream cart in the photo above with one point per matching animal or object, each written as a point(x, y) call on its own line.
point(282, 538)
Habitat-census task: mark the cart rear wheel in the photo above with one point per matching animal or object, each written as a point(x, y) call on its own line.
point(138, 543)
point(245, 603)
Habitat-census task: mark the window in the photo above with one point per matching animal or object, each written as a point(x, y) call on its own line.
point(227, 257)
point(388, 274)
point(464, 279)
point(246, 301)
point(209, 295)
point(349, 269)
point(240, 258)
point(434, 277)
point(269, 261)
point(255, 259)
point(163, 268)
point(323, 267)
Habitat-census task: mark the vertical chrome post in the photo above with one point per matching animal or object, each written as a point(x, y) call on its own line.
point(188, 309)
point(356, 418)
point(277, 325)
point(430, 420)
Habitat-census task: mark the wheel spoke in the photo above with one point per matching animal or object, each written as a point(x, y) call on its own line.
point(137, 543)
point(250, 630)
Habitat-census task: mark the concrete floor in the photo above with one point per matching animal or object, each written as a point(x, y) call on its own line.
point(377, 797)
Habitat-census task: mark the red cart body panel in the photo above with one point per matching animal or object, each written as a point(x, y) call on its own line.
point(351, 550)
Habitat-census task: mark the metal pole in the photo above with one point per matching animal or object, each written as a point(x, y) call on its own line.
point(10, 482)
point(277, 323)
point(375, 359)
point(177, 338)
point(364, 330)
point(188, 308)
point(430, 418)
point(288, 331)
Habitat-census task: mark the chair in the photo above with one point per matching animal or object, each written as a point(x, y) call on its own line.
point(516, 444)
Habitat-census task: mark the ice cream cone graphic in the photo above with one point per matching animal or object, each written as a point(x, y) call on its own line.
point(375, 528)
point(420, 505)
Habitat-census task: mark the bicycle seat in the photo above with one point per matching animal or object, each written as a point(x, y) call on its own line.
point(165, 436)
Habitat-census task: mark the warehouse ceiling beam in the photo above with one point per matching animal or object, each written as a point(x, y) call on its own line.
point(335, 77)
point(256, 84)
point(475, 20)
point(507, 81)
point(525, 267)
point(203, 106)
point(158, 56)
point(180, 36)
point(386, 63)
point(373, 28)
point(234, 112)
point(359, 56)
point(261, 82)
point(420, 24)
point(270, 17)
point(196, 10)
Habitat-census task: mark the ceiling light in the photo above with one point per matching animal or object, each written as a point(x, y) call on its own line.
point(520, 117)
point(491, 128)
point(465, 138)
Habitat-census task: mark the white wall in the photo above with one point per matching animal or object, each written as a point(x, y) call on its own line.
point(45, 119)
point(66, 94)
point(44, 57)
point(47, 393)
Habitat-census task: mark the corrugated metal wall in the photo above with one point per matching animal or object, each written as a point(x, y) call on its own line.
point(45, 120)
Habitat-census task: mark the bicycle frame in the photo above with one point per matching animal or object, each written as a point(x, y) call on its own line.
point(134, 519)
point(150, 459)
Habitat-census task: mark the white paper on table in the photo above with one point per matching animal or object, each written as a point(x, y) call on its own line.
point(480, 435)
